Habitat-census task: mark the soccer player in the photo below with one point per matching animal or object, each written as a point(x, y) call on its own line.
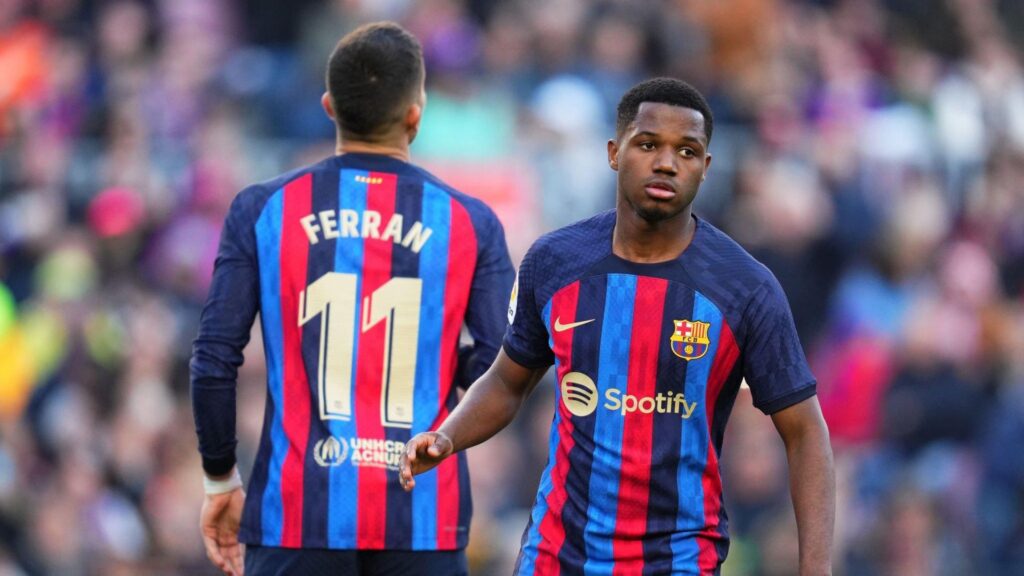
point(364, 269)
point(652, 318)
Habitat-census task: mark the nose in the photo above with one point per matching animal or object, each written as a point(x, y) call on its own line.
point(665, 162)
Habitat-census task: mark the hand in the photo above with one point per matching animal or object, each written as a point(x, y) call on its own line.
point(219, 521)
point(423, 452)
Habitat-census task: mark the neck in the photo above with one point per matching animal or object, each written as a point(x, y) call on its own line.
point(639, 240)
point(395, 149)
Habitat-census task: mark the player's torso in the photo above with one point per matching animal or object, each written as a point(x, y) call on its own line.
point(364, 279)
point(642, 359)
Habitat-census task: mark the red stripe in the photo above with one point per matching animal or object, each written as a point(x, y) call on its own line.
point(552, 530)
point(725, 360)
point(372, 520)
point(462, 252)
point(638, 429)
point(298, 202)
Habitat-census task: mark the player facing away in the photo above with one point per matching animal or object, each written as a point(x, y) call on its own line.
point(652, 317)
point(363, 268)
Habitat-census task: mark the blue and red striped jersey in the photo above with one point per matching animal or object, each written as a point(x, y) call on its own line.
point(364, 270)
point(649, 359)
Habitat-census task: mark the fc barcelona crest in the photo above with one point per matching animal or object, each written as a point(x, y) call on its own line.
point(690, 339)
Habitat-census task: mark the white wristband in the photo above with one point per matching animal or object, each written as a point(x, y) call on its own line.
point(222, 486)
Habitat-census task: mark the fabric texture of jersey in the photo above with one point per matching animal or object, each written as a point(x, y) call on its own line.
point(648, 359)
point(363, 269)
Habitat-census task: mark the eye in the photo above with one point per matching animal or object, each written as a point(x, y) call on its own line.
point(687, 153)
point(646, 146)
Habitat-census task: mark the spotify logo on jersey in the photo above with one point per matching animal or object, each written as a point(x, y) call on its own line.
point(579, 394)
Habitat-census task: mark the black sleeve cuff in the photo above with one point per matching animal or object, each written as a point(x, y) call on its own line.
point(218, 466)
point(523, 359)
point(795, 397)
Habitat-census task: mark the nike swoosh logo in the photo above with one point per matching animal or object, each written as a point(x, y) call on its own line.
point(559, 327)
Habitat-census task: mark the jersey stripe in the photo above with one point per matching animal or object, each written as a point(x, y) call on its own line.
point(251, 529)
point(612, 373)
point(294, 256)
point(457, 286)
point(586, 338)
point(316, 340)
point(663, 500)
point(436, 214)
point(695, 438)
point(372, 520)
point(638, 431)
point(724, 361)
point(344, 479)
point(405, 264)
point(550, 527)
point(527, 559)
point(268, 232)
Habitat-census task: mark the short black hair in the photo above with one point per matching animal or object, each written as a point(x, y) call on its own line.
point(374, 72)
point(663, 91)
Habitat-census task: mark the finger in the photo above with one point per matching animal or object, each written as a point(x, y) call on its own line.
point(405, 479)
point(434, 450)
point(213, 553)
point(234, 558)
point(412, 448)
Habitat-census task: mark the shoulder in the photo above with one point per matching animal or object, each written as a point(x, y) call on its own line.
point(253, 198)
point(564, 255)
point(479, 212)
point(725, 272)
point(581, 240)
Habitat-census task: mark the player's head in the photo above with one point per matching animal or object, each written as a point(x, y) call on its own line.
point(375, 83)
point(665, 91)
point(660, 150)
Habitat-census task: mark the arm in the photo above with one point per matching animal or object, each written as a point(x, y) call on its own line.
point(485, 313)
point(489, 405)
point(811, 482)
point(224, 329)
point(216, 355)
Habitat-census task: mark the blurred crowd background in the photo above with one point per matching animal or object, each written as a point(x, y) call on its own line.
point(870, 152)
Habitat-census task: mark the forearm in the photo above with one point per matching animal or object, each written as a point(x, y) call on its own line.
point(812, 485)
point(213, 407)
point(489, 405)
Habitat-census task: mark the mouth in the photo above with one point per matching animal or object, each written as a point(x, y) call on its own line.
point(660, 190)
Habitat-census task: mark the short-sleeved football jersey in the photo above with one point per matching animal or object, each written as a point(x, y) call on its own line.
point(648, 359)
point(363, 268)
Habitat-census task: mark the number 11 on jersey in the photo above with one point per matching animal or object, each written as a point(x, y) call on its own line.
point(333, 297)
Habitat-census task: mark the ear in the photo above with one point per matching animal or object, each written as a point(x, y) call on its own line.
point(325, 101)
point(613, 154)
point(413, 117)
point(707, 166)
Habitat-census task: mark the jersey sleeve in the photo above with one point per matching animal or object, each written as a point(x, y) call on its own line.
point(774, 364)
point(526, 339)
point(224, 329)
point(485, 318)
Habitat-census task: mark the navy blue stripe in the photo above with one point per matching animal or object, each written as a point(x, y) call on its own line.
point(724, 403)
point(663, 500)
point(405, 264)
point(251, 530)
point(465, 499)
point(586, 343)
point(316, 481)
point(723, 408)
